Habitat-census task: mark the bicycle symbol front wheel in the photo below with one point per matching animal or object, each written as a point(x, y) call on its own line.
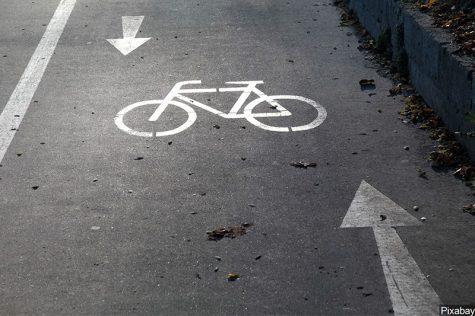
point(119, 119)
point(322, 114)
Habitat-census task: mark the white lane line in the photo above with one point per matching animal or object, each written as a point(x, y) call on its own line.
point(410, 292)
point(17, 105)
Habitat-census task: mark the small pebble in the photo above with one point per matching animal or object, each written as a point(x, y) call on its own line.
point(95, 228)
point(415, 208)
point(423, 219)
point(406, 147)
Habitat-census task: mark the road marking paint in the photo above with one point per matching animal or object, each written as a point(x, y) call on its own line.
point(119, 119)
point(409, 290)
point(246, 89)
point(130, 28)
point(322, 113)
point(19, 101)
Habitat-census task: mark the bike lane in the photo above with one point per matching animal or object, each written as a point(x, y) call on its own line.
point(118, 222)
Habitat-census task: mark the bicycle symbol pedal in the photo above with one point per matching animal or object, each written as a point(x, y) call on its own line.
point(245, 87)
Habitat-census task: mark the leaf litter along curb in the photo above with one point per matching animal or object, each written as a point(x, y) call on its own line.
point(456, 17)
point(449, 154)
point(228, 232)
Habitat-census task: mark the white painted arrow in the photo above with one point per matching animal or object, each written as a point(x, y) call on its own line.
point(130, 27)
point(409, 290)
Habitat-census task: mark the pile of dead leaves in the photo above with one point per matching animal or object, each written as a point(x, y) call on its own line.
point(449, 152)
point(416, 111)
point(347, 17)
point(457, 16)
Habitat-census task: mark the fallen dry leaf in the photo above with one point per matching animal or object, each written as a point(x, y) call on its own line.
point(367, 84)
point(465, 172)
point(302, 164)
point(229, 232)
point(470, 209)
point(233, 277)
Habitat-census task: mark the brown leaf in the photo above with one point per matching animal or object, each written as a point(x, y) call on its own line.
point(302, 164)
point(367, 84)
point(233, 277)
point(465, 172)
point(229, 232)
point(470, 209)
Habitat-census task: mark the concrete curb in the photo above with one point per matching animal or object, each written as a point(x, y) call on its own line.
point(444, 80)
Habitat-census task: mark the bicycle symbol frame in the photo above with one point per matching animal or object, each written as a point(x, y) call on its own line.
point(246, 88)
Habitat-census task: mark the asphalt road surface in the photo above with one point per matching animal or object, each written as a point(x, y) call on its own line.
point(106, 212)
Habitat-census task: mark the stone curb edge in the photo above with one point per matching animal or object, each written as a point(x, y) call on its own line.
point(444, 79)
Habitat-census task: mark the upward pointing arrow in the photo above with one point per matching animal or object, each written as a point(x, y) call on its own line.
point(130, 27)
point(409, 290)
point(369, 204)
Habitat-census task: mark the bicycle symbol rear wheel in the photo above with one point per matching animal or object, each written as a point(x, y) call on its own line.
point(322, 114)
point(119, 119)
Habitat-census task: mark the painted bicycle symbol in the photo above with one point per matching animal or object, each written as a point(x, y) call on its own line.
point(245, 87)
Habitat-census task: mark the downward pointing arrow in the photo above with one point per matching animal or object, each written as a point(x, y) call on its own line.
point(410, 291)
point(130, 27)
